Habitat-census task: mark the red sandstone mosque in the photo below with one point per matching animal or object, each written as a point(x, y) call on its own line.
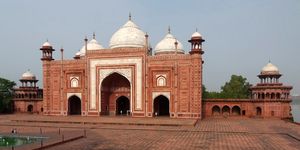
point(127, 79)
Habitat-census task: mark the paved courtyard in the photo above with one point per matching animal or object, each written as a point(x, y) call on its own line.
point(154, 133)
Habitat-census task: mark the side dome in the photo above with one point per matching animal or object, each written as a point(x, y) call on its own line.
point(167, 45)
point(28, 76)
point(129, 35)
point(270, 69)
point(91, 45)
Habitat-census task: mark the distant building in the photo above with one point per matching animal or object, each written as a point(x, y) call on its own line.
point(28, 97)
point(269, 98)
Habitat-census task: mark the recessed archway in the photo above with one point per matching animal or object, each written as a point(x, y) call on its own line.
point(30, 108)
point(258, 111)
point(161, 106)
point(112, 85)
point(226, 110)
point(216, 110)
point(74, 105)
point(122, 106)
point(236, 111)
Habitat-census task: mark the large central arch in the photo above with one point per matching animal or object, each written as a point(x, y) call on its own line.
point(161, 106)
point(74, 105)
point(113, 87)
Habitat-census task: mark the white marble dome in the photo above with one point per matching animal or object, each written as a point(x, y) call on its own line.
point(196, 35)
point(91, 45)
point(167, 45)
point(46, 44)
point(28, 76)
point(129, 35)
point(78, 54)
point(270, 69)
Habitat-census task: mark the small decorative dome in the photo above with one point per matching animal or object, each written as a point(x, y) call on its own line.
point(129, 35)
point(28, 76)
point(270, 69)
point(91, 45)
point(196, 35)
point(47, 44)
point(78, 54)
point(167, 45)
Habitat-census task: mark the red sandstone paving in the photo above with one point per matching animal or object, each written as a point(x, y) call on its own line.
point(211, 133)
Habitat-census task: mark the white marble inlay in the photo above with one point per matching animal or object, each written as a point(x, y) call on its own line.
point(116, 61)
point(72, 94)
point(155, 94)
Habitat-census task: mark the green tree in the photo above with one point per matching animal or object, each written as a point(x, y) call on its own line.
point(6, 95)
point(237, 87)
point(204, 92)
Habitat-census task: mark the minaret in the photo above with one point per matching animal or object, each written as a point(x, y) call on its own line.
point(47, 60)
point(196, 71)
point(196, 43)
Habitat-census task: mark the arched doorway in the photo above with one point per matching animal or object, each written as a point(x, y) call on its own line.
point(258, 111)
point(236, 110)
point(216, 111)
point(122, 106)
point(29, 108)
point(74, 104)
point(113, 85)
point(161, 106)
point(225, 111)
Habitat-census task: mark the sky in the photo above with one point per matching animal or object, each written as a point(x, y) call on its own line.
point(241, 36)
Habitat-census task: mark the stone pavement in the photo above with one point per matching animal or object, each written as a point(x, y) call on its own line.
point(211, 133)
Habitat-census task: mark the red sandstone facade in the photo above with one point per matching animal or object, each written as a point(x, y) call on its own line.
point(125, 80)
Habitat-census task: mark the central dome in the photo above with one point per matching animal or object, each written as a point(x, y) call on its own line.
point(129, 35)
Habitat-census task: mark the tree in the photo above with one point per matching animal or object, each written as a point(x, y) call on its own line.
point(6, 95)
point(204, 92)
point(237, 87)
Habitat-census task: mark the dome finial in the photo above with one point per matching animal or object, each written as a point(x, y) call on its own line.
point(169, 29)
point(129, 15)
point(196, 29)
point(94, 35)
point(47, 40)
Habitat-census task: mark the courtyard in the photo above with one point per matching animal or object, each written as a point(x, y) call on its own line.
point(92, 133)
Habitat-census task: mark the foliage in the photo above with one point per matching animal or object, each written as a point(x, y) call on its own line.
point(6, 95)
point(237, 87)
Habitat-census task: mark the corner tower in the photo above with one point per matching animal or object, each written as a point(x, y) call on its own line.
point(274, 96)
point(196, 62)
point(46, 59)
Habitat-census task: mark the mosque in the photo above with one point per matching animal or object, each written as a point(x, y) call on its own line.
point(128, 78)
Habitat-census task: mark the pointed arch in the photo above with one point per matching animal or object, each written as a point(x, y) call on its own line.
point(111, 85)
point(161, 106)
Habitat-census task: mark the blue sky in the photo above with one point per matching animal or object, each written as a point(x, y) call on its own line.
point(241, 36)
